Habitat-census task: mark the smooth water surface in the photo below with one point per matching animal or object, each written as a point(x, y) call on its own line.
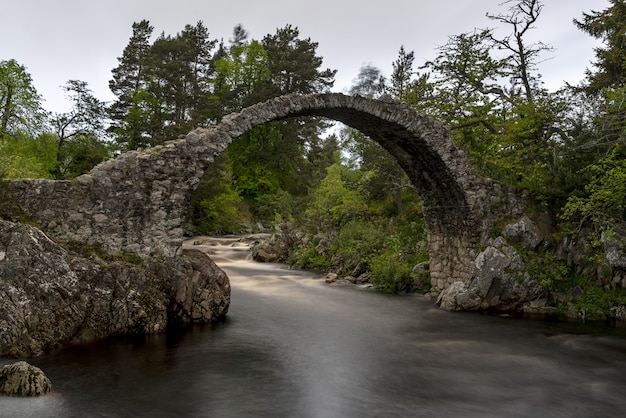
point(293, 346)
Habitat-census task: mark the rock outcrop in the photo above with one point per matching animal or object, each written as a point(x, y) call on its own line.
point(276, 248)
point(50, 295)
point(498, 282)
point(23, 379)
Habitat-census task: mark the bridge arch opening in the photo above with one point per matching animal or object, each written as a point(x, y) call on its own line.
point(137, 202)
point(422, 147)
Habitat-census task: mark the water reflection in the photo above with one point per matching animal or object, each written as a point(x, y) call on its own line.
point(293, 346)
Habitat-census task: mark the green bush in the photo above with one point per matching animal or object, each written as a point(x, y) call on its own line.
point(308, 258)
point(390, 274)
point(356, 243)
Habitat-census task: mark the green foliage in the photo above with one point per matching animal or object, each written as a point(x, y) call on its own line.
point(308, 258)
point(20, 104)
point(596, 302)
point(216, 206)
point(552, 274)
point(163, 88)
point(221, 212)
point(294, 64)
point(390, 274)
point(558, 278)
point(608, 25)
point(404, 247)
point(27, 157)
point(334, 202)
point(356, 243)
point(272, 209)
point(604, 203)
point(242, 73)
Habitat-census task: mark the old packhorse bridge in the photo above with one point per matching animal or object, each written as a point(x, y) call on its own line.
point(137, 202)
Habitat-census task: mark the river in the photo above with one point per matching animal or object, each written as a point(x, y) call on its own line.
point(294, 346)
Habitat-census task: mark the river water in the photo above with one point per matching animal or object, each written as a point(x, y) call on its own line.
point(293, 346)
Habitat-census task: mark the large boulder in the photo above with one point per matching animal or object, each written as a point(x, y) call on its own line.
point(529, 234)
point(276, 248)
point(202, 293)
point(498, 281)
point(50, 295)
point(23, 379)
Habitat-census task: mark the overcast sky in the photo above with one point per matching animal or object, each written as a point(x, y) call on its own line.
point(59, 40)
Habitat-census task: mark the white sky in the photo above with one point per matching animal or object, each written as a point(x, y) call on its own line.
point(59, 40)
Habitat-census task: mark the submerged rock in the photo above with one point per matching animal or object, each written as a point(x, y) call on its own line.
point(23, 379)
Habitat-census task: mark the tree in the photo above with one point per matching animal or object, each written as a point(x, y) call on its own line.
point(130, 84)
point(294, 65)
point(269, 166)
point(402, 74)
point(488, 90)
point(608, 25)
point(180, 70)
point(608, 82)
point(83, 124)
point(277, 150)
point(335, 202)
point(20, 104)
point(27, 156)
point(242, 72)
point(240, 36)
point(604, 204)
point(369, 82)
point(521, 56)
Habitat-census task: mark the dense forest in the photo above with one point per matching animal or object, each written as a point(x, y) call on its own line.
point(357, 211)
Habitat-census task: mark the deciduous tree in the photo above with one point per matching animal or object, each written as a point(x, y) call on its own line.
point(78, 132)
point(20, 104)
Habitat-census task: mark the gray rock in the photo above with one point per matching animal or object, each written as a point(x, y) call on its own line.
point(202, 293)
point(615, 247)
point(50, 296)
point(497, 282)
point(23, 379)
point(275, 249)
point(526, 233)
point(331, 277)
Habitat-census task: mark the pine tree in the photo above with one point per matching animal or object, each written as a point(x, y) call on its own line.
point(294, 65)
point(129, 84)
point(608, 25)
point(402, 74)
point(180, 70)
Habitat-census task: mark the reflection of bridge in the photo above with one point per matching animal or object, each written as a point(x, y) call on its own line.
point(137, 202)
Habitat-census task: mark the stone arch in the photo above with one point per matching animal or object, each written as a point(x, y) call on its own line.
point(137, 201)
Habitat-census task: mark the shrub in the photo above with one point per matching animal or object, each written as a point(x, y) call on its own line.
point(390, 274)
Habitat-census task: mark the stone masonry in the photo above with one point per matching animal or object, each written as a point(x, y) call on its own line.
point(136, 203)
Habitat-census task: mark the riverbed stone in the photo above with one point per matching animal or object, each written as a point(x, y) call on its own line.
point(23, 379)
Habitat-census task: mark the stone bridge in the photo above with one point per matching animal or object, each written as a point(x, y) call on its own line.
point(137, 202)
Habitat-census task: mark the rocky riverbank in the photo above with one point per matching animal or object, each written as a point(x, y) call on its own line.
point(521, 270)
point(52, 294)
